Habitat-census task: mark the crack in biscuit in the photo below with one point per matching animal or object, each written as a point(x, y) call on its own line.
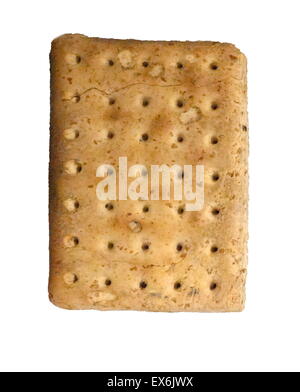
point(108, 93)
point(103, 92)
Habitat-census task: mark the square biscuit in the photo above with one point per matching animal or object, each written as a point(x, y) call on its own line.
point(158, 103)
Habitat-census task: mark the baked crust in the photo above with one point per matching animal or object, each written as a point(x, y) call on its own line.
point(98, 87)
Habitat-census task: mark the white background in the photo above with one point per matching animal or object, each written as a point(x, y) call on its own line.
point(36, 336)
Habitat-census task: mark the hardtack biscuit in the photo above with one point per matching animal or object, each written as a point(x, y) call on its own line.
point(154, 103)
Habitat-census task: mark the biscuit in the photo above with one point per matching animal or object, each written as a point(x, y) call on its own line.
point(155, 103)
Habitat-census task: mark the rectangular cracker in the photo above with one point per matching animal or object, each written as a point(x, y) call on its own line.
point(189, 98)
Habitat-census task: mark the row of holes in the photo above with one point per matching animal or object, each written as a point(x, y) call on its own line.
point(143, 284)
point(145, 137)
point(145, 64)
point(179, 65)
point(146, 209)
point(110, 207)
point(74, 241)
point(177, 285)
point(180, 103)
point(78, 169)
point(74, 134)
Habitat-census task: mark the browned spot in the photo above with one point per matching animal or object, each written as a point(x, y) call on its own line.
point(160, 123)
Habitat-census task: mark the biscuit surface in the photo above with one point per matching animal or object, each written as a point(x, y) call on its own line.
point(155, 103)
